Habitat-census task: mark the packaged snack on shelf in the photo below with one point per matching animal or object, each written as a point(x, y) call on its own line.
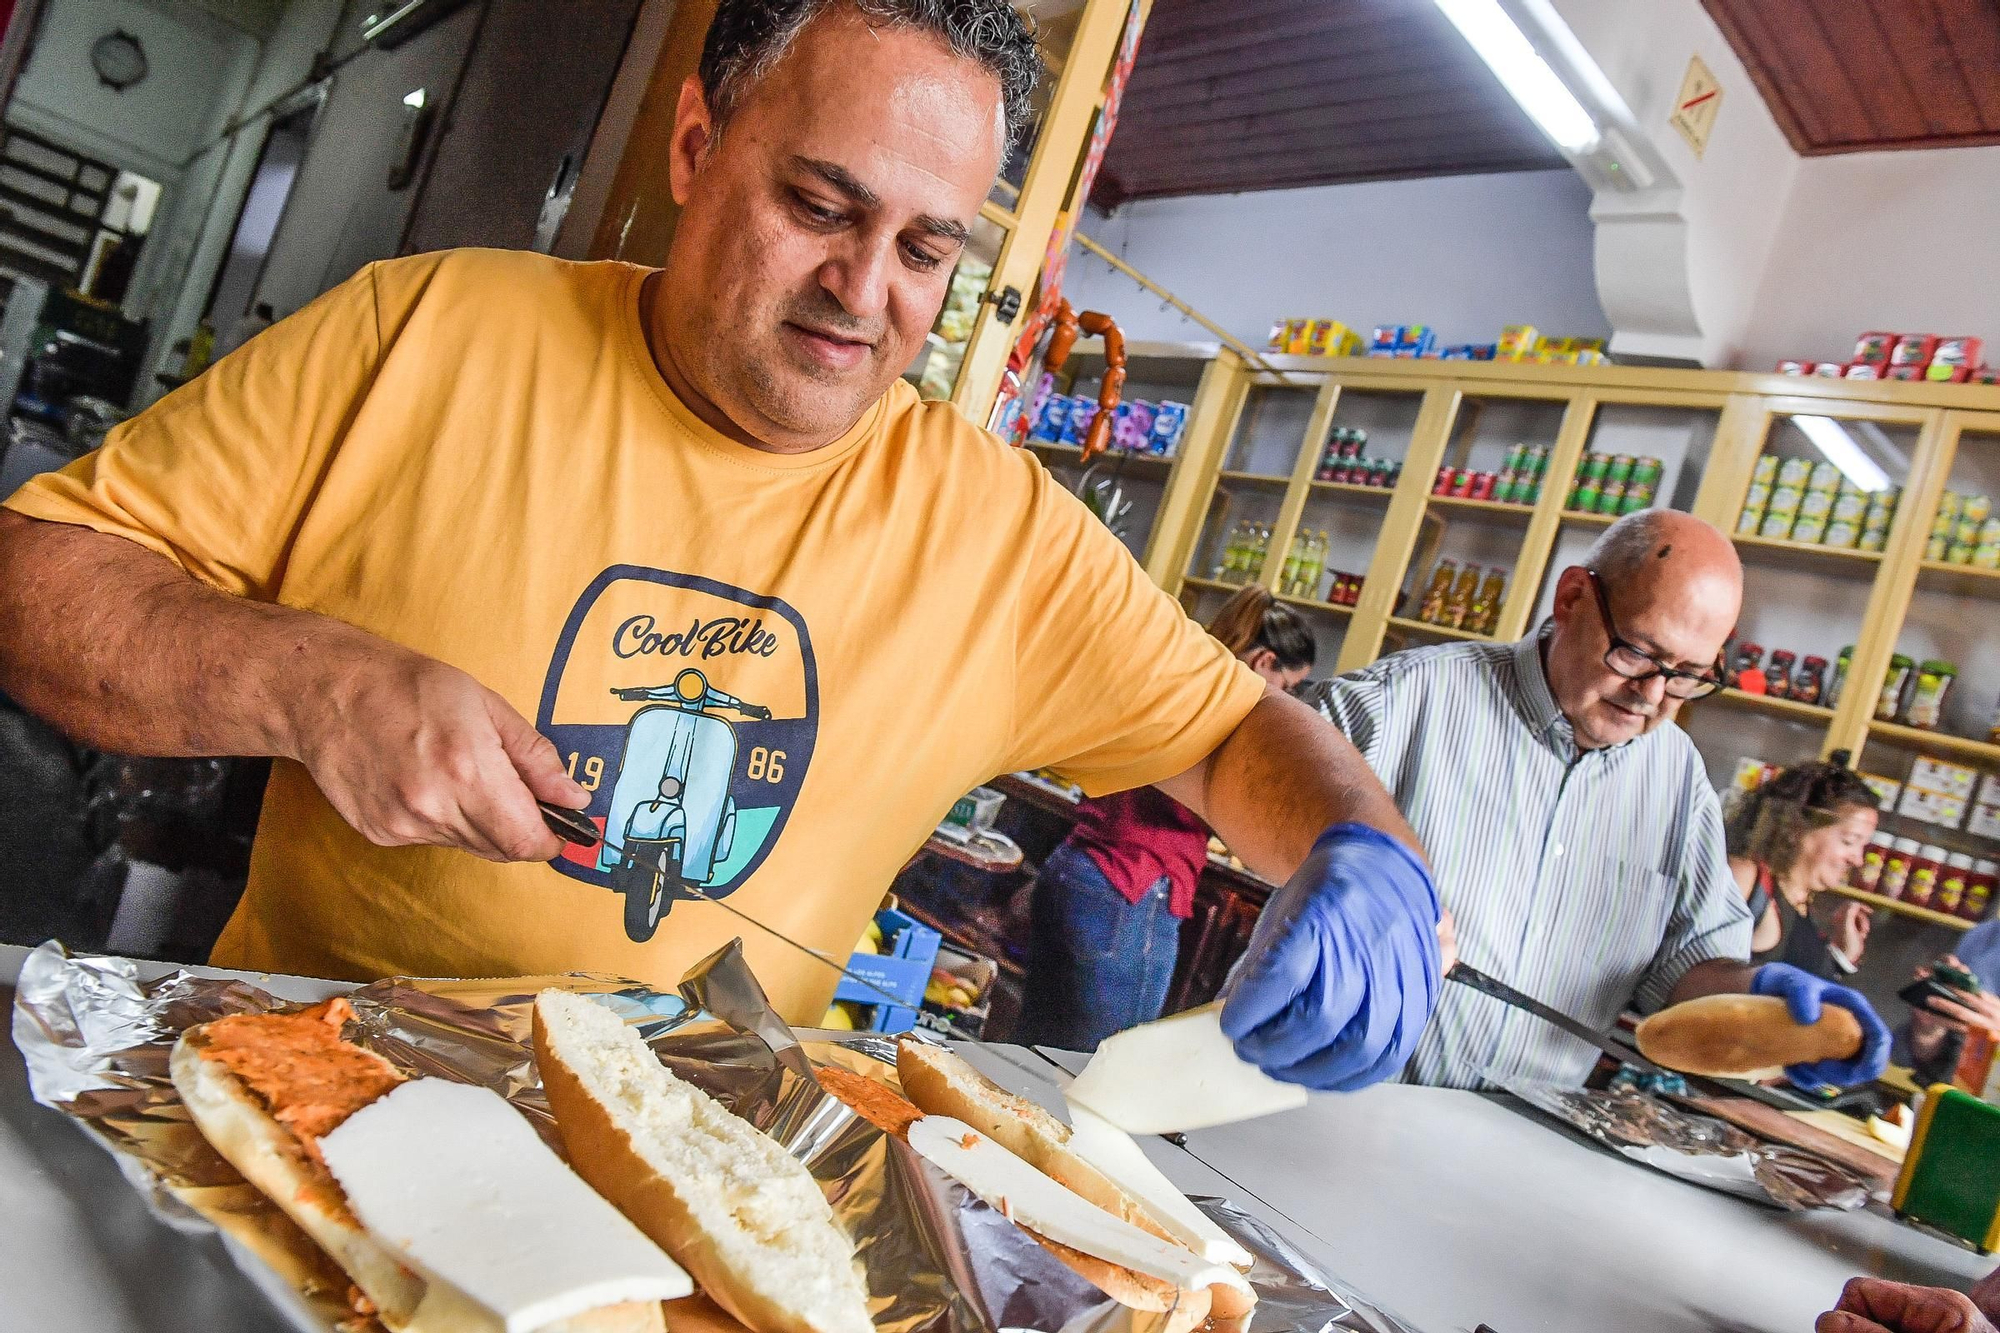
point(1461, 484)
point(1985, 821)
point(1459, 605)
point(1132, 425)
point(1845, 534)
point(1959, 553)
point(1913, 349)
point(1829, 370)
point(1824, 477)
point(1751, 774)
point(1896, 864)
point(1516, 341)
point(1638, 495)
point(1934, 682)
point(1415, 339)
point(1765, 469)
point(1794, 367)
point(1890, 701)
point(1817, 502)
point(1076, 426)
point(1776, 526)
point(1949, 779)
point(1794, 473)
point(1809, 529)
point(1886, 790)
point(1872, 539)
point(1859, 371)
point(1873, 348)
point(1169, 422)
point(1903, 373)
point(1932, 807)
point(1281, 333)
point(1611, 499)
point(1849, 506)
point(1938, 373)
point(1382, 342)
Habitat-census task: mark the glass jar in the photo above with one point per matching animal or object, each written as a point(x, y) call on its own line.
point(1745, 671)
point(1926, 868)
point(1809, 685)
point(1778, 674)
point(1953, 883)
point(1979, 890)
point(1896, 868)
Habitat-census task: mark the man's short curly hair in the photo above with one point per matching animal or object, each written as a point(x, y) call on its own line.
point(749, 37)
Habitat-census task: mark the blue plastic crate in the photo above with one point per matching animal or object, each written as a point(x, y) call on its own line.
point(903, 969)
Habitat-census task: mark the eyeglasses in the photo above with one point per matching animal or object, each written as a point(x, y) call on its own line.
point(1634, 663)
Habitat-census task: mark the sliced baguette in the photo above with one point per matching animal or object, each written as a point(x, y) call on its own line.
point(940, 1083)
point(271, 1157)
point(237, 1124)
point(744, 1217)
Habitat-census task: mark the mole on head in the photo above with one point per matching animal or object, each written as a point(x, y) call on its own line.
point(1665, 551)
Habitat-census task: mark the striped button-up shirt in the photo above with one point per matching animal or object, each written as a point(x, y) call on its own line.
point(1590, 879)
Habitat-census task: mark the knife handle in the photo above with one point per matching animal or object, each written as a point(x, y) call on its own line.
point(569, 824)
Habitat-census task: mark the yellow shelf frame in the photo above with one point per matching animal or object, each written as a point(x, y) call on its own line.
point(1901, 908)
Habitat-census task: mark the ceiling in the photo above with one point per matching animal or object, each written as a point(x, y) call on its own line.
point(1844, 76)
point(1262, 94)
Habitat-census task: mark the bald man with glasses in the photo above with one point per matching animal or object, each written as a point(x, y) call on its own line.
point(1574, 836)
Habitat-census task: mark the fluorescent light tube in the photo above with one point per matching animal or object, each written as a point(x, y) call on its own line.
point(1832, 440)
point(1522, 71)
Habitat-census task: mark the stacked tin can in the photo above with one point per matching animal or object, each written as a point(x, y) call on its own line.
point(1795, 499)
point(1615, 484)
point(1965, 531)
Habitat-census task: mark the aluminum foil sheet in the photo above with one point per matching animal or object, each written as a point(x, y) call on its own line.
point(96, 1041)
point(1697, 1147)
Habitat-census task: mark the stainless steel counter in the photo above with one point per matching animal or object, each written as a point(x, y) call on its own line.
point(1449, 1208)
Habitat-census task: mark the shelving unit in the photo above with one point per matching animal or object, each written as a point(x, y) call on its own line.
point(1901, 908)
point(1330, 608)
point(1922, 738)
point(1808, 550)
point(1786, 707)
point(1441, 631)
point(1446, 410)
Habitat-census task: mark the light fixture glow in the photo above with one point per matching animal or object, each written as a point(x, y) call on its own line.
point(1839, 448)
point(1521, 70)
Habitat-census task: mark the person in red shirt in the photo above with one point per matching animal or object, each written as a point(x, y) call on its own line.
point(1105, 922)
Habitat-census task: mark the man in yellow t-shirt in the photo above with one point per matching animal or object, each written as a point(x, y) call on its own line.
point(679, 549)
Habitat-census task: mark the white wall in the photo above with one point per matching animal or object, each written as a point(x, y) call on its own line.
point(197, 67)
point(1903, 241)
point(1678, 268)
point(1467, 254)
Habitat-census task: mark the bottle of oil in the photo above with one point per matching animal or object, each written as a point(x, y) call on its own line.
point(1295, 559)
point(1486, 606)
point(1463, 593)
point(1260, 551)
point(1431, 609)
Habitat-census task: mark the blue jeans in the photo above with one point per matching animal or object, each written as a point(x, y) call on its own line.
point(1098, 963)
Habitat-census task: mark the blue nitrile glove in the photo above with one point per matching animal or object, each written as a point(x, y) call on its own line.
point(1804, 993)
point(1342, 971)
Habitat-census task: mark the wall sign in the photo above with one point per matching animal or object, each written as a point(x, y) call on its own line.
point(1694, 109)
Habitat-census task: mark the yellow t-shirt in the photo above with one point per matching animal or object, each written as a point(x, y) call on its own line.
point(774, 673)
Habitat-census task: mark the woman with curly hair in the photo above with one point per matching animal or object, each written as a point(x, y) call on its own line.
point(1791, 839)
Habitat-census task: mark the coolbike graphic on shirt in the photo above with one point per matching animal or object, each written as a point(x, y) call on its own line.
point(688, 709)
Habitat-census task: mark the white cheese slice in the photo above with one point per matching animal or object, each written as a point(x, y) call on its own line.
point(453, 1179)
point(1177, 1074)
point(1112, 1151)
point(1054, 1211)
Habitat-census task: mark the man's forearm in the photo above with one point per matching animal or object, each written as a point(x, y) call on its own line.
point(125, 651)
point(1714, 976)
point(1275, 784)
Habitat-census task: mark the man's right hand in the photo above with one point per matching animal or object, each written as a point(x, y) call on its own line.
point(411, 751)
point(1871, 1305)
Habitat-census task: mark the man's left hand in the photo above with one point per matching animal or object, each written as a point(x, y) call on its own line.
point(1804, 994)
point(1870, 1305)
point(1342, 972)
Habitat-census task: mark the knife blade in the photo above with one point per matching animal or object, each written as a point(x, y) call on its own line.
point(572, 825)
point(1501, 991)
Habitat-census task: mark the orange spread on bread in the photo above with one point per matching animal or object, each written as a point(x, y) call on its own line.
point(874, 1102)
point(298, 1066)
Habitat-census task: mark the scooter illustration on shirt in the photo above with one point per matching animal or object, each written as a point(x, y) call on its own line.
point(679, 820)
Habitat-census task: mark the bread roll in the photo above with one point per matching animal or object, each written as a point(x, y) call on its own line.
point(301, 1081)
point(743, 1216)
point(940, 1083)
point(1737, 1036)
